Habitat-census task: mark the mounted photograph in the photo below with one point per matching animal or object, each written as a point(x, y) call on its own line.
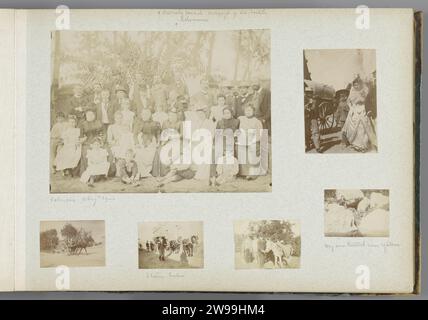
point(340, 105)
point(267, 244)
point(170, 245)
point(172, 111)
point(72, 243)
point(356, 213)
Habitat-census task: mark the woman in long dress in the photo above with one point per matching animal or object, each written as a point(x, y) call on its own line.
point(170, 141)
point(250, 127)
point(357, 130)
point(119, 137)
point(69, 153)
point(200, 121)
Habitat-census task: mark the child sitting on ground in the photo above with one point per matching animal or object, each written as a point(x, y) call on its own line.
point(128, 169)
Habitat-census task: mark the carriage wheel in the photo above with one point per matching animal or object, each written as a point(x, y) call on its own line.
point(325, 120)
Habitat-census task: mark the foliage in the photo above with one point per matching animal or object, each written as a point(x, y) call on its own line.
point(272, 229)
point(118, 56)
point(69, 231)
point(276, 230)
point(48, 239)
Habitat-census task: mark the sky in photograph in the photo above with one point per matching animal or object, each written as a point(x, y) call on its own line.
point(172, 230)
point(338, 67)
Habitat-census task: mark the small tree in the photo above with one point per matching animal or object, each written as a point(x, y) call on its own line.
point(69, 231)
point(276, 230)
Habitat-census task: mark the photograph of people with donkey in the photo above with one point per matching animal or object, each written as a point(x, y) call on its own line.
point(72, 243)
point(170, 245)
point(267, 244)
point(148, 111)
point(340, 100)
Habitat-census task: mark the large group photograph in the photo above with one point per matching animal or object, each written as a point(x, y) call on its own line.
point(160, 111)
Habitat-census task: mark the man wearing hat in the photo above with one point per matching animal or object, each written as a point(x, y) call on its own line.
point(262, 103)
point(120, 94)
point(243, 99)
point(79, 103)
point(203, 98)
point(228, 92)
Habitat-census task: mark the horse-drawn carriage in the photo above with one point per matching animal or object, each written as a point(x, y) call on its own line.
point(75, 245)
point(325, 102)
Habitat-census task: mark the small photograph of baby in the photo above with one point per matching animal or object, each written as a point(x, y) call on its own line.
point(356, 213)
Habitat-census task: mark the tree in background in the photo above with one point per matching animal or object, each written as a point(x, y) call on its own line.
point(48, 239)
point(100, 55)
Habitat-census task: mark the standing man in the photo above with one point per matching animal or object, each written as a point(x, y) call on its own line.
point(162, 248)
point(120, 94)
point(243, 99)
point(202, 99)
point(105, 110)
point(78, 104)
point(95, 98)
point(262, 104)
point(230, 96)
point(260, 247)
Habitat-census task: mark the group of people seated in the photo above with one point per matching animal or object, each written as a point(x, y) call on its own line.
point(97, 135)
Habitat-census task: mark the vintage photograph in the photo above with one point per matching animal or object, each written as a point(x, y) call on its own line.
point(72, 243)
point(340, 100)
point(267, 244)
point(170, 245)
point(173, 111)
point(356, 213)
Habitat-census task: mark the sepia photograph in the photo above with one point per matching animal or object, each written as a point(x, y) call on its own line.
point(72, 243)
point(267, 244)
point(356, 213)
point(340, 100)
point(170, 245)
point(172, 111)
